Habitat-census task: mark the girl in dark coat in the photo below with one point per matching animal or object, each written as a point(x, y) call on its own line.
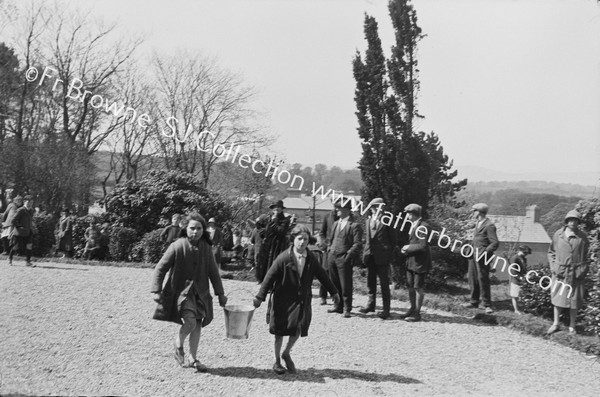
point(186, 297)
point(290, 277)
point(275, 239)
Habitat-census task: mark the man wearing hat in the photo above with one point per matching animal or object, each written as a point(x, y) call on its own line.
point(569, 263)
point(377, 255)
point(22, 223)
point(418, 260)
point(485, 242)
point(346, 242)
point(324, 242)
point(216, 236)
point(275, 241)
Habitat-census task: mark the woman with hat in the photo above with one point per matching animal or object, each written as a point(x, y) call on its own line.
point(64, 233)
point(568, 257)
point(275, 239)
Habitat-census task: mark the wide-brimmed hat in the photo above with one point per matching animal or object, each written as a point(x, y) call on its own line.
point(481, 207)
point(278, 203)
point(573, 214)
point(413, 209)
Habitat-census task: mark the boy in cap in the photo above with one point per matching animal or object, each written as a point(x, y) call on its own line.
point(485, 242)
point(418, 262)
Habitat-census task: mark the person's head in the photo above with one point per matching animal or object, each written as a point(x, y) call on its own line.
point(573, 219)
point(212, 222)
point(413, 212)
point(524, 250)
point(28, 201)
point(375, 206)
point(105, 227)
point(300, 237)
point(176, 219)
point(195, 227)
point(480, 210)
point(343, 211)
point(18, 200)
point(277, 207)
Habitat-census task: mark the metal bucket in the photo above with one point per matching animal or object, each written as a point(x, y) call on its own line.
point(238, 319)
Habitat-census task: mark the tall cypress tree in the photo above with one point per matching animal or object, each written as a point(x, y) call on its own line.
point(398, 164)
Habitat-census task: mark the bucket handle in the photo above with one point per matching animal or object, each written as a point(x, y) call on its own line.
point(241, 289)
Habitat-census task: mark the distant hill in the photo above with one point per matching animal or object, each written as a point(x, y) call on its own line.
point(542, 187)
point(481, 174)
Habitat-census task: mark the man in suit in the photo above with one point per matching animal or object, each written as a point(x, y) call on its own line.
point(485, 242)
point(217, 240)
point(418, 261)
point(346, 242)
point(377, 255)
point(325, 235)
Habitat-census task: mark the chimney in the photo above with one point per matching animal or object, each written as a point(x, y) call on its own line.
point(532, 213)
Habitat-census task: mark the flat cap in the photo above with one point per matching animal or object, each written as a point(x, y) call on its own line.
point(481, 207)
point(211, 220)
point(376, 201)
point(573, 214)
point(347, 204)
point(413, 208)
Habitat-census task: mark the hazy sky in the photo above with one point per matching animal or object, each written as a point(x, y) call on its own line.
point(506, 84)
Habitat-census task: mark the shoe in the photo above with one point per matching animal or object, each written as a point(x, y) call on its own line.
point(383, 315)
point(553, 329)
point(518, 312)
point(279, 369)
point(407, 314)
point(470, 305)
point(323, 301)
point(572, 331)
point(367, 309)
point(199, 366)
point(347, 314)
point(10, 263)
point(340, 311)
point(489, 310)
point(180, 356)
point(289, 363)
point(414, 318)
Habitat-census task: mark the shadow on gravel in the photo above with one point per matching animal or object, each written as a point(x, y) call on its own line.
point(310, 375)
point(459, 320)
point(60, 268)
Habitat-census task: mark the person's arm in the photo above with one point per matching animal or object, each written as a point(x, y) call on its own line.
point(162, 267)
point(356, 240)
point(215, 277)
point(552, 255)
point(581, 269)
point(420, 245)
point(493, 237)
point(164, 234)
point(270, 278)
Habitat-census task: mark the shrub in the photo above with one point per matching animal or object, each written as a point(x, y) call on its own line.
point(150, 248)
point(44, 240)
point(590, 315)
point(534, 299)
point(122, 240)
point(80, 224)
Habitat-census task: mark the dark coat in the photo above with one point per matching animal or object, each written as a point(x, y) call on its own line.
point(218, 237)
point(522, 262)
point(380, 243)
point(9, 214)
point(327, 228)
point(23, 221)
point(170, 234)
point(418, 254)
point(275, 240)
point(65, 234)
point(569, 263)
point(485, 237)
point(351, 242)
point(186, 263)
point(291, 297)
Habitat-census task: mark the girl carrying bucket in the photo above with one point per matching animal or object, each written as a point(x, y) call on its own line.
point(186, 298)
point(290, 278)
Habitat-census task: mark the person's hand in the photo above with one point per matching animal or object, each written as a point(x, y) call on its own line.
point(156, 296)
point(336, 300)
point(257, 302)
point(404, 249)
point(222, 300)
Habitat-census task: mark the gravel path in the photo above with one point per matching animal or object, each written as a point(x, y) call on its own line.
point(82, 330)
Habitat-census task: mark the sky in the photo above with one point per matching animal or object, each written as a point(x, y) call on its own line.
point(510, 85)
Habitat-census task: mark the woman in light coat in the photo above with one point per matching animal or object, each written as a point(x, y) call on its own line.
point(568, 258)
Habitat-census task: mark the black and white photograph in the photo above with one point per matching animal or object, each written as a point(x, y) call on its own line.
point(300, 198)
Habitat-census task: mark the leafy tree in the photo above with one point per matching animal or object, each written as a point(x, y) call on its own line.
point(148, 202)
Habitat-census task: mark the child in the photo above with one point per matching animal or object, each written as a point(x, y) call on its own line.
point(515, 281)
point(171, 232)
point(185, 298)
point(92, 246)
point(290, 277)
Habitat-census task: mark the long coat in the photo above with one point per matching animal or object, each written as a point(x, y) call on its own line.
point(291, 297)
point(189, 266)
point(418, 253)
point(274, 242)
point(65, 234)
point(9, 214)
point(569, 263)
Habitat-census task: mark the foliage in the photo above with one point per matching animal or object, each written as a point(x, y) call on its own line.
point(122, 240)
point(533, 298)
point(44, 240)
point(150, 248)
point(149, 202)
point(398, 164)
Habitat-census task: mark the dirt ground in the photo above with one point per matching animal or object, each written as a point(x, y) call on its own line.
point(80, 330)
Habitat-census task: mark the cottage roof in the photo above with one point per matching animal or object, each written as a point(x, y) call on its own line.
point(519, 229)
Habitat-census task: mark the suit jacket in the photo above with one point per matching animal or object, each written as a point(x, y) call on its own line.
point(379, 243)
point(327, 228)
point(418, 254)
point(485, 237)
point(351, 241)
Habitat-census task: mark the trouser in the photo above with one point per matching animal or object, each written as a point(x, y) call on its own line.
point(375, 270)
point(479, 282)
point(340, 271)
point(21, 243)
point(324, 265)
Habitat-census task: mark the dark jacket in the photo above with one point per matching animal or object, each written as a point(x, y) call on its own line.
point(275, 241)
point(291, 297)
point(22, 221)
point(522, 262)
point(380, 244)
point(170, 234)
point(9, 214)
point(218, 237)
point(327, 228)
point(351, 240)
point(186, 263)
point(485, 237)
point(418, 254)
